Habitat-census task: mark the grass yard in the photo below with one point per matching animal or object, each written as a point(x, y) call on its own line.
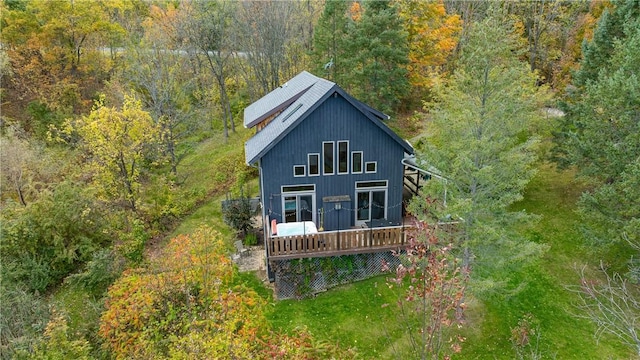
point(353, 315)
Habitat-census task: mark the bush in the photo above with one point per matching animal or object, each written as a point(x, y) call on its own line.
point(46, 240)
point(184, 305)
point(100, 272)
point(132, 240)
point(251, 239)
point(237, 214)
point(58, 343)
point(23, 315)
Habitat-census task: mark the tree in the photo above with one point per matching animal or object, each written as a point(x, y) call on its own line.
point(118, 142)
point(432, 37)
point(431, 287)
point(598, 51)
point(330, 42)
point(17, 168)
point(159, 76)
point(54, 51)
point(481, 140)
point(600, 133)
point(578, 29)
point(211, 37)
point(612, 304)
point(378, 57)
point(273, 37)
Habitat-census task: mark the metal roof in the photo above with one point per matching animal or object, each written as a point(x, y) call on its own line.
point(295, 100)
point(279, 98)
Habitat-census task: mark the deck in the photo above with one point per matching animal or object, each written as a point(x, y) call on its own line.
point(334, 243)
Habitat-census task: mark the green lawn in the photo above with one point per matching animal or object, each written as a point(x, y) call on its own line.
point(353, 315)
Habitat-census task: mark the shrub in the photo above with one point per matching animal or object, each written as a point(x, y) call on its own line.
point(132, 240)
point(251, 239)
point(23, 315)
point(183, 305)
point(237, 214)
point(102, 270)
point(58, 344)
point(47, 239)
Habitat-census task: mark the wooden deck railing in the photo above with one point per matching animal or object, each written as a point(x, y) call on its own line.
point(332, 243)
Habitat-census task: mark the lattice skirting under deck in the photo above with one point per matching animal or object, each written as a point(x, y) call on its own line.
point(300, 278)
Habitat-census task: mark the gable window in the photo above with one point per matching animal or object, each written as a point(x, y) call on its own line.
point(314, 164)
point(327, 158)
point(356, 162)
point(371, 167)
point(343, 157)
point(298, 170)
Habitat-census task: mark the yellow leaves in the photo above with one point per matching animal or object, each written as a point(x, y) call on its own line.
point(432, 36)
point(183, 301)
point(118, 141)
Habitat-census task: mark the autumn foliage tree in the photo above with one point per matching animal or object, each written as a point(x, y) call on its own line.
point(432, 36)
point(431, 283)
point(118, 141)
point(53, 48)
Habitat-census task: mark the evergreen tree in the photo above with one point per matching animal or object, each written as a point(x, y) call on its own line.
point(598, 52)
point(604, 142)
point(480, 140)
point(329, 43)
point(378, 56)
point(597, 59)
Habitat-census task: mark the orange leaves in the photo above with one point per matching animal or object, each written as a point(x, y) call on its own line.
point(184, 304)
point(432, 37)
point(355, 11)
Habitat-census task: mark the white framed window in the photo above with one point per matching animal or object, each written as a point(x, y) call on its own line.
point(299, 170)
point(356, 162)
point(298, 203)
point(371, 201)
point(313, 161)
point(328, 158)
point(343, 157)
point(371, 167)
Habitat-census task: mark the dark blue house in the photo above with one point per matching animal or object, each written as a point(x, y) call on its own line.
point(325, 157)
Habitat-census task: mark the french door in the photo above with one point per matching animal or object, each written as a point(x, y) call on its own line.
point(371, 201)
point(298, 203)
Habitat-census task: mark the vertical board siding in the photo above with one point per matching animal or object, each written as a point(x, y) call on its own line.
point(334, 120)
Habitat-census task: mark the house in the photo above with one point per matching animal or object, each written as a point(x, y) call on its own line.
point(325, 157)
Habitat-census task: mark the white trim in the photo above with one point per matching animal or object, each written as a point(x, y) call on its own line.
point(375, 164)
point(347, 155)
point(309, 164)
point(333, 165)
point(361, 162)
point(304, 170)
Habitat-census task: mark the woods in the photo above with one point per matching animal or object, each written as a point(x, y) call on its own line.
point(106, 107)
